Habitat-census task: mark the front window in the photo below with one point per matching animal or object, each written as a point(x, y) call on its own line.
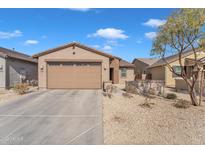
point(177, 70)
point(123, 72)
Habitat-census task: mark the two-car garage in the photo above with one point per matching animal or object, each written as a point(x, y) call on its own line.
point(74, 75)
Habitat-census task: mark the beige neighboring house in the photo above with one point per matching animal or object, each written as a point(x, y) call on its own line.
point(16, 67)
point(141, 65)
point(76, 66)
point(160, 71)
point(126, 72)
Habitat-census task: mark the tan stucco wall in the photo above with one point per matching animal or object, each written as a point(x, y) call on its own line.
point(130, 76)
point(2, 73)
point(169, 79)
point(158, 73)
point(140, 67)
point(180, 84)
point(14, 67)
point(67, 54)
point(115, 65)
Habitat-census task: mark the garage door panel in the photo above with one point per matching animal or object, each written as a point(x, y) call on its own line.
point(74, 76)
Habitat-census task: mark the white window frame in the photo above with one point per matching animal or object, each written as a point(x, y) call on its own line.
point(123, 74)
point(177, 72)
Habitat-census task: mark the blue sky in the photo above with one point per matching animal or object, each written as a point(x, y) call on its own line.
point(126, 33)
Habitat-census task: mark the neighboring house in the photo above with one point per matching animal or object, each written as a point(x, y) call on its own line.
point(16, 67)
point(126, 72)
point(76, 66)
point(141, 65)
point(160, 71)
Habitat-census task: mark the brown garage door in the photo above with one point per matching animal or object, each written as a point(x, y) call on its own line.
point(74, 75)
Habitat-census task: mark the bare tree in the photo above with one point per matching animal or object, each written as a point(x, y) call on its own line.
point(183, 31)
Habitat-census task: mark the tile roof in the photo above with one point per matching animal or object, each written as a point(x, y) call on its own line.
point(171, 58)
point(17, 55)
point(124, 63)
point(148, 61)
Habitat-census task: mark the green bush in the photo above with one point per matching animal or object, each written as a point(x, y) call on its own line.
point(21, 88)
point(171, 96)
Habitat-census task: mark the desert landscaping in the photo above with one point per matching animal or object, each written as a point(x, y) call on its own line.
point(14, 93)
point(128, 120)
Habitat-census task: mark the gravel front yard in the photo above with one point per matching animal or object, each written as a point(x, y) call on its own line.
point(125, 122)
point(6, 95)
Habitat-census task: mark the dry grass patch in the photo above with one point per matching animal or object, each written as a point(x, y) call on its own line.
point(21, 88)
point(127, 95)
point(147, 105)
point(147, 102)
point(181, 103)
point(118, 118)
point(171, 96)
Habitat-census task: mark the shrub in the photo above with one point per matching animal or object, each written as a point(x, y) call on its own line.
point(109, 90)
point(127, 95)
point(181, 103)
point(152, 91)
point(147, 103)
point(171, 96)
point(21, 88)
point(109, 95)
point(118, 119)
point(131, 89)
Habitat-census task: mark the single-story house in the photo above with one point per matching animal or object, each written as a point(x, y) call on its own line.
point(15, 68)
point(76, 66)
point(141, 64)
point(160, 71)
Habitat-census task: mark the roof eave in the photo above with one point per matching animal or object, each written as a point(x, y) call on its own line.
point(70, 45)
point(23, 59)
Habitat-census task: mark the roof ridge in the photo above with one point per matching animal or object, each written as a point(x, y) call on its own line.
point(70, 44)
point(147, 61)
point(16, 54)
point(172, 58)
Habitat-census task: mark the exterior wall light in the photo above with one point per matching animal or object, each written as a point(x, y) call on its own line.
point(41, 68)
point(1, 67)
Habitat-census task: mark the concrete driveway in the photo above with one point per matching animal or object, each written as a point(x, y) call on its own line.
point(53, 117)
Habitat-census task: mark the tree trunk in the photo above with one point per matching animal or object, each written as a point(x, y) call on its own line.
point(193, 97)
point(201, 92)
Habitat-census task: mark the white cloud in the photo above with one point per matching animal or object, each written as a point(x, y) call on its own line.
point(150, 35)
point(31, 42)
point(8, 35)
point(109, 33)
point(154, 23)
point(107, 48)
point(80, 9)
